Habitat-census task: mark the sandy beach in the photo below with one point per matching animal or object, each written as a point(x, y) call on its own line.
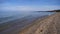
point(50, 25)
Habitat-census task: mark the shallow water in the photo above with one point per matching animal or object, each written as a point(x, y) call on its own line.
point(6, 16)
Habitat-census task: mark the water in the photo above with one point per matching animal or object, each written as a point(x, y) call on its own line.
point(6, 16)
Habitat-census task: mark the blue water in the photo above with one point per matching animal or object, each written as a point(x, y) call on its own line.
point(6, 16)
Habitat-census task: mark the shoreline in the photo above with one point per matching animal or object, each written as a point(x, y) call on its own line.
point(16, 25)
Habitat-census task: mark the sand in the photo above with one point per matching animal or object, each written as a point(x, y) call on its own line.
point(49, 25)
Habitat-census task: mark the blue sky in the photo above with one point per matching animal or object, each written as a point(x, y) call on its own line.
point(29, 5)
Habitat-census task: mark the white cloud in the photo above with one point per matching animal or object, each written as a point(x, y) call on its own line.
point(28, 8)
point(17, 8)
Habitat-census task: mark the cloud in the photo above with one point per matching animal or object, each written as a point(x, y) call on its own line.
point(29, 8)
point(23, 5)
point(16, 8)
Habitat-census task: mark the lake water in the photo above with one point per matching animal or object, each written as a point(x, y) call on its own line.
point(6, 16)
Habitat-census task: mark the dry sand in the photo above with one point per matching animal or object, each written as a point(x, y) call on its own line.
point(49, 25)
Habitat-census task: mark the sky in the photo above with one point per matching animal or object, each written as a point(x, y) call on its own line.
point(29, 5)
